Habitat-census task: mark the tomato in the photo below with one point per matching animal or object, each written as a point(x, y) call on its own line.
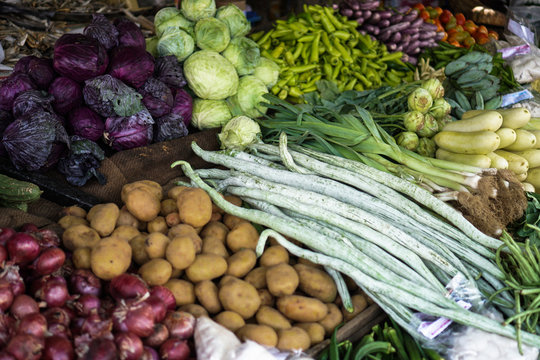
point(450, 24)
point(439, 10)
point(424, 14)
point(481, 38)
point(445, 36)
point(493, 34)
point(482, 30)
point(462, 35)
point(445, 16)
point(470, 26)
point(452, 31)
point(439, 26)
point(419, 6)
point(455, 43)
point(433, 14)
point(460, 19)
point(468, 42)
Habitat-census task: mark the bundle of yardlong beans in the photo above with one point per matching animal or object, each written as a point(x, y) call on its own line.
point(351, 218)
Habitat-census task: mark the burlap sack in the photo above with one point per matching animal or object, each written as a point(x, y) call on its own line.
point(151, 162)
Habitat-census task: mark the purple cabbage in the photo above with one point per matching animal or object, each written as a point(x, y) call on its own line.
point(102, 30)
point(133, 65)
point(22, 64)
point(35, 141)
point(41, 71)
point(32, 101)
point(5, 120)
point(129, 34)
point(170, 126)
point(169, 70)
point(86, 123)
point(110, 97)
point(79, 57)
point(157, 97)
point(183, 105)
point(67, 95)
point(123, 133)
point(82, 162)
point(11, 87)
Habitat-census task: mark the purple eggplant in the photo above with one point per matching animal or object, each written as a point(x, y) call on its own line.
point(398, 27)
point(347, 12)
point(396, 18)
point(403, 9)
point(412, 60)
point(429, 27)
point(396, 37)
point(439, 35)
point(413, 15)
point(362, 31)
point(399, 47)
point(417, 22)
point(386, 14)
point(415, 36)
point(415, 51)
point(391, 47)
point(372, 29)
point(335, 6)
point(412, 45)
point(366, 14)
point(369, 5)
point(405, 38)
point(359, 14)
point(425, 35)
point(353, 4)
point(375, 18)
point(360, 21)
point(384, 23)
point(385, 35)
point(408, 29)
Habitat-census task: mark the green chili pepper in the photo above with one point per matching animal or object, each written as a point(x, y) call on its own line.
point(283, 94)
point(327, 69)
point(297, 51)
point(276, 53)
point(312, 81)
point(302, 68)
point(299, 27)
point(280, 33)
point(306, 38)
point(334, 60)
point(337, 70)
point(315, 49)
point(327, 25)
point(341, 86)
point(342, 35)
point(368, 84)
point(296, 92)
point(363, 65)
point(305, 52)
point(304, 76)
point(265, 38)
point(359, 87)
point(275, 89)
point(256, 36)
point(344, 53)
point(281, 83)
point(329, 12)
point(310, 89)
point(392, 56)
point(289, 58)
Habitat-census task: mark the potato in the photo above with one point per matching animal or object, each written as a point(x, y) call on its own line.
point(281, 279)
point(241, 297)
point(267, 315)
point(315, 331)
point(172, 219)
point(294, 338)
point(73, 211)
point(309, 263)
point(126, 218)
point(235, 200)
point(206, 267)
point(274, 255)
point(185, 229)
point(156, 244)
point(212, 245)
point(180, 252)
point(302, 308)
point(229, 319)
point(261, 334)
point(241, 262)
point(158, 224)
point(231, 221)
point(175, 191)
point(316, 283)
point(215, 216)
point(194, 309)
point(225, 279)
point(142, 204)
point(110, 257)
point(168, 206)
point(359, 303)
point(332, 319)
point(81, 258)
point(206, 293)
point(266, 298)
point(138, 249)
point(156, 271)
point(80, 236)
point(125, 232)
point(182, 290)
point(257, 277)
point(176, 273)
point(242, 236)
point(153, 187)
point(215, 229)
point(103, 218)
point(194, 207)
point(71, 220)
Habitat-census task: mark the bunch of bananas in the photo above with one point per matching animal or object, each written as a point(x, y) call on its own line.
point(469, 85)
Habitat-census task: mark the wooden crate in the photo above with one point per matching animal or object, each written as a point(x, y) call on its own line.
point(240, 4)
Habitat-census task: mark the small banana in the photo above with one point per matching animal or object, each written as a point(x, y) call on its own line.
point(479, 101)
point(471, 76)
point(462, 100)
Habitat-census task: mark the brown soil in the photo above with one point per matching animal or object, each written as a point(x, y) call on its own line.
point(498, 201)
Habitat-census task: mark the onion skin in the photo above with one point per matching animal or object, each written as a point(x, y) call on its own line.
point(180, 324)
point(130, 346)
point(47, 238)
point(58, 348)
point(86, 305)
point(23, 305)
point(6, 356)
point(149, 354)
point(6, 295)
point(26, 347)
point(7, 327)
point(164, 294)
point(127, 286)
point(58, 315)
point(13, 277)
point(83, 281)
point(175, 349)
point(158, 337)
point(58, 329)
point(28, 228)
point(134, 316)
point(3, 255)
point(33, 324)
point(101, 349)
point(158, 308)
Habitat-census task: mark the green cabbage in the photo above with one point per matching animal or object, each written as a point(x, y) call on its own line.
point(239, 132)
point(209, 114)
point(171, 17)
point(247, 101)
point(196, 10)
point(244, 54)
point(212, 34)
point(177, 42)
point(151, 45)
point(267, 71)
point(210, 75)
point(235, 19)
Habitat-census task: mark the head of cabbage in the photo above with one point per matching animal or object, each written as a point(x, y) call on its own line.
point(244, 54)
point(212, 34)
point(247, 100)
point(208, 114)
point(177, 42)
point(235, 19)
point(239, 132)
point(151, 45)
point(196, 10)
point(210, 75)
point(171, 17)
point(267, 71)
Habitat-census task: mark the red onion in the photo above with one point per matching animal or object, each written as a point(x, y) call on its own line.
point(3, 255)
point(101, 349)
point(158, 308)
point(47, 238)
point(25, 347)
point(130, 346)
point(127, 286)
point(58, 315)
point(22, 248)
point(7, 326)
point(87, 304)
point(5, 234)
point(158, 337)
point(164, 294)
point(58, 329)
point(149, 354)
point(174, 349)
point(49, 261)
point(96, 327)
point(180, 324)
point(58, 348)
point(53, 291)
point(33, 324)
point(83, 281)
point(28, 228)
point(13, 277)
point(6, 356)
point(6, 295)
point(23, 305)
point(135, 316)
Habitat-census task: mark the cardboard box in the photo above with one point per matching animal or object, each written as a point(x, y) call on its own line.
point(240, 4)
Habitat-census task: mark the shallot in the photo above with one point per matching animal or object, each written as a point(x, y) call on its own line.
point(174, 349)
point(83, 281)
point(49, 261)
point(23, 305)
point(6, 295)
point(158, 337)
point(130, 346)
point(33, 324)
point(58, 348)
point(22, 248)
point(127, 286)
point(26, 347)
point(165, 295)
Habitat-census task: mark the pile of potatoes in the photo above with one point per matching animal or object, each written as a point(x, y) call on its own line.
point(207, 259)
